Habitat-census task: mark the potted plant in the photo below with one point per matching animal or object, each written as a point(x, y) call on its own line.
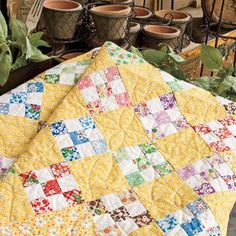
point(18, 50)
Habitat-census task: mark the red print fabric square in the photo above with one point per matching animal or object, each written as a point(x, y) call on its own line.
point(29, 178)
point(41, 205)
point(60, 170)
point(73, 197)
point(51, 187)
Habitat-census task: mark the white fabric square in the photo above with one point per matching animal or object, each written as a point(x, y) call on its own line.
point(17, 109)
point(210, 138)
point(231, 143)
point(58, 202)
point(80, 69)
point(67, 78)
point(155, 158)
point(86, 149)
point(117, 86)
point(44, 175)
point(183, 215)
point(194, 181)
point(223, 169)
point(155, 106)
point(149, 174)
point(207, 219)
point(167, 129)
point(202, 165)
point(178, 231)
point(109, 103)
point(148, 122)
point(34, 98)
point(111, 201)
point(64, 140)
point(128, 225)
point(186, 85)
point(90, 94)
point(167, 77)
point(134, 152)
point(35, 191)
point(135, 208)
point(128, 167)
point(67, 183)
point(219, 184)
point(93, 134)
point(98, 78)
point(5, 98)
point(214, 125)
point(232, 129)
point(222, 100)
point(103, 221)
point(21, 88)
point(73, 125)
point(174, 114)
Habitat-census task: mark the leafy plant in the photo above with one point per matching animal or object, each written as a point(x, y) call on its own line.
point(164, 58)
point(222, 83)
point(17, 47)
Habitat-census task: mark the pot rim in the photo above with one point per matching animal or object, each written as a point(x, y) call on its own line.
point(176, 20)
point(135, 28)
point(145, 10)
point(162, 35)
point(111, 13)
point(78, 8)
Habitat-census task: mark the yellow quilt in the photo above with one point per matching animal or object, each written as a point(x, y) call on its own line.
point(129, 151)
point(24, 110)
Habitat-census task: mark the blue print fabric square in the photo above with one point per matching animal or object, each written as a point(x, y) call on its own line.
point(87, 123)
point(100, 146)
point(18, 98)
point(4, 108)
point(168, 223)
point(78, 138)
point(35, 87)
point(197, 207)
point(193, 227)
point(58, 128)
point(32, 111)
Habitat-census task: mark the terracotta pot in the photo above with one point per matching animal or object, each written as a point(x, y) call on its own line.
point(111, 21)
point(123, 2)
point(142, 13)
point(62, 17)
point(134, 31)
point(179, 18)
point(156, 34)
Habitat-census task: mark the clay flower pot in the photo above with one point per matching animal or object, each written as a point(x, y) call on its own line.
point(62, 17)
point(156, 34)
point(179, 18)
point(123, 2)
point(111, 21)
point(134, 31)
point(142, 13)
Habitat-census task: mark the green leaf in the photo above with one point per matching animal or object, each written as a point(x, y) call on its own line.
point(36, 40)
point(211, 57)
point(135, 51)
point(208, 83)
point(5, 62)
point(34, 54)
point(3, 28)
point(18, 31)
point(19, 62)
point(178, 59)
point(154, 56)
point(177, 73)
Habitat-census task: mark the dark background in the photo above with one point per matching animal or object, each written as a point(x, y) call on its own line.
point(3, 7)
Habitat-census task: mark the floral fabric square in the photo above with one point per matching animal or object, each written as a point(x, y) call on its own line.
point(66, 73)
point(123, 212)
point(121, 56)
point(5, 164)
point(161, 116)
point(52, 188)
point(209, 175)
point(220, 135)
point(229, 106)
point(104, 91)
point(142, 164)
point(78, 138)
point(23, 101)
point(194, 219)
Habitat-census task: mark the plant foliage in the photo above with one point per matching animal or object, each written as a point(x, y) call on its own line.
point(17, 47)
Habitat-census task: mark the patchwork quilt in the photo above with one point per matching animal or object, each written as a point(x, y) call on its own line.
point(129, 151)
point(24, 110)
